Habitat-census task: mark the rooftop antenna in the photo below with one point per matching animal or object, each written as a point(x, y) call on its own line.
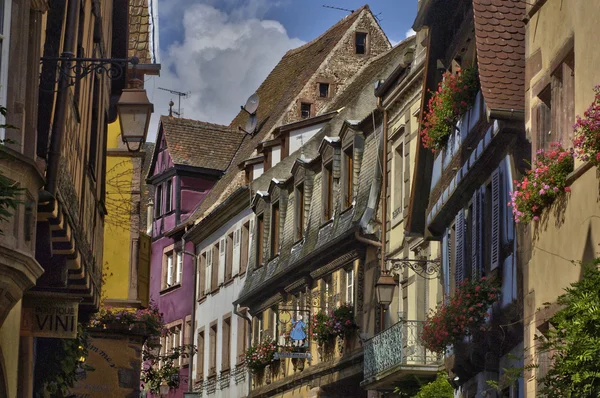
point(179, 94)
point(339, 8)
point(250, 108)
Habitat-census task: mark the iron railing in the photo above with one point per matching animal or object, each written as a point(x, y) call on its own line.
point(397, 345)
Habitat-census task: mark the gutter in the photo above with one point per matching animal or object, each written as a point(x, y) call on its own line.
point(506, 114)
point(249, 342)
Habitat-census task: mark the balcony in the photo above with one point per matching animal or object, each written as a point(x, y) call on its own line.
point(396, 356)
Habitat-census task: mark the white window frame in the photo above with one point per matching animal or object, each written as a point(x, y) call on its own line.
point(179, 268)
point(208, 271)
point(350, 285)
point(170, 269)
point(5, 14)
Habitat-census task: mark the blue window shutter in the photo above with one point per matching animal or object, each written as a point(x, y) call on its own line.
point(459, 256)
point(508, 221)
point(476, 237)
point(446, 262)
point(482, 229)
point(495, 230)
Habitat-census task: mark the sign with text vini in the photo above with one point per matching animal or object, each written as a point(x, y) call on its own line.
point(55, 319)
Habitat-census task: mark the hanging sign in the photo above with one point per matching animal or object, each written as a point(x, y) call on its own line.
point(51, 318)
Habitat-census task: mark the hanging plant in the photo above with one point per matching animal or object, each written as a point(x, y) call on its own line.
point(587, 131)
point(337, 322)
point(463, 314)
point(343, 318)
point(260, 355)
point(455, 95)
point(147, 321)
point(546, 181)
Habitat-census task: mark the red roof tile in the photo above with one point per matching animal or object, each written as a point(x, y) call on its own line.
point(500, 38)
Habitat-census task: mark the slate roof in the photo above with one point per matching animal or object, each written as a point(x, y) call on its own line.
point(276, 93)
point(500, 38)
point(200, 144)
point(141, 32)
point(333, 240)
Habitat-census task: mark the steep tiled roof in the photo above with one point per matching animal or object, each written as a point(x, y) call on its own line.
point(199, 144)
point(140, 31)
point(276, 93)
point(500, 38)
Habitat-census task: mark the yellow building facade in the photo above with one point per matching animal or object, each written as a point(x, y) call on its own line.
point(560, 67)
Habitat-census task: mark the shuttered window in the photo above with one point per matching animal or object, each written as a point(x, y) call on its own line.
point(229, 257)
point(446, 261)
point(299, 211)
point(202, 277)
point(495, 221)
point(459, 254)
point(244, 247)
point(476, 219)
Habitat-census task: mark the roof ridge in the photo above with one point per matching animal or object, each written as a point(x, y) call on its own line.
point(336, 25)
point(199, 122)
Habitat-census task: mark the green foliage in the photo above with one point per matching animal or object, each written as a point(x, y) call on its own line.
point(260, 355)
point(574, 339)
point(510, 375)
point(153, 375)
point(9, 190)
point(439, 388)
point(69, 361)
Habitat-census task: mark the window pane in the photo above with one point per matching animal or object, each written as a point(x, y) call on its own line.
point(323, 90)
point(361, 42)
point(305, 110)
point(169, 270)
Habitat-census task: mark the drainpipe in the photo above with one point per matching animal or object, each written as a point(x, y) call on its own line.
point(58, 127)
point(249, 342)
point(193, 319)
point(364, 240)
point(384, 185)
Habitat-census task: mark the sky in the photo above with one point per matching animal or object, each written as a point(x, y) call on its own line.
point(219, 51)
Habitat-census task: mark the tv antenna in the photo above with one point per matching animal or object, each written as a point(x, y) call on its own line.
point(339, 8)
point(250, 108)
point(179, 94)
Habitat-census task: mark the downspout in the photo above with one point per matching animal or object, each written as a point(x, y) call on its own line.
point(249, 342)
point(383, 186)
point(58, 126)
point(193, 318)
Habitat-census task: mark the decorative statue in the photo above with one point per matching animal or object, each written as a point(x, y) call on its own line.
point(298, 333)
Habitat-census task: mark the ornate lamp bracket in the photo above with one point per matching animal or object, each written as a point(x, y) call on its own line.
point(428, 269)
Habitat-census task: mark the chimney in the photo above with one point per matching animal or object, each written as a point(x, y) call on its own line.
point(149, 216)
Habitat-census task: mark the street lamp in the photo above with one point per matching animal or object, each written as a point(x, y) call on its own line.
point(385, 288)
point(134, 110)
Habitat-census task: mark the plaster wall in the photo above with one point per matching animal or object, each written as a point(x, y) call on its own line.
point(570, 230)
point(301, 136)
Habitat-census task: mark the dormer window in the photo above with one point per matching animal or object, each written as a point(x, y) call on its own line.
point(169, 197)
point(299, 201)
point(305, 110)
point(260, 234)
point(324, 90)
point(158, 201)
point(327, 191)
point(274, 229)
point(348, 177)
point(360, 43)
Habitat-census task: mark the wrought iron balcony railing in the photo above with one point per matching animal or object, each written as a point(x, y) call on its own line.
point(397, 346)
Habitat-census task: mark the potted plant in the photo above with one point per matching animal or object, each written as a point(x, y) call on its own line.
point(540, 187)
point(258, 356)
point(455, 95)
point(462, 315)
point(587, 131)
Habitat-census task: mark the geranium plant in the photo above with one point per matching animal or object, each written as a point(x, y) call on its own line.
point(325, 326)
point(587, 131)
point(154, 375)
point(455, 95)
point(464, 313)
point(260, 355)
point(149, 320)
point(546, 180)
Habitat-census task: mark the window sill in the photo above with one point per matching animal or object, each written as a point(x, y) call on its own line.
point(228, 282)
point(347, 209)
point(225, 370)
point(202, 299)
point(170, 288)
point(326, 222)
point(214, 291)
point(273, 258)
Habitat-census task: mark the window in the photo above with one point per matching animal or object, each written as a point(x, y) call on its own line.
point(275, 228)
point(299, 211)
point(158, 201)
point(226, 344)
point(169, 197)
point(326, 292)
point(360, 42)
point(348, 177)
point(245, 247)
point(187, 338)
point(349, 285)
point(201, 276)
point(179, 267)
point(208, 271)
point(169, 269)
point(305, 110)
point(258, 325)
point(242, 336)
point(324, 90)
point(398, 180)
point(327, 192)
point(229, 258)
point(212, 358)
point(214, 272)
point(200, 356)
point(260, 233)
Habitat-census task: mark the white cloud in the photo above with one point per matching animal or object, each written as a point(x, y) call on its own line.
point(221, 59)
point(410, 33)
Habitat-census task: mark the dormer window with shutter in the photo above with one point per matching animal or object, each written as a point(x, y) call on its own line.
point(348, 171)
point(260, 235)
point(275, 220)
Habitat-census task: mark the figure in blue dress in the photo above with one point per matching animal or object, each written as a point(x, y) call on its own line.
point(298, 334)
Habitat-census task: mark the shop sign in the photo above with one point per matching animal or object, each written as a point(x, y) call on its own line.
point(54, 319)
